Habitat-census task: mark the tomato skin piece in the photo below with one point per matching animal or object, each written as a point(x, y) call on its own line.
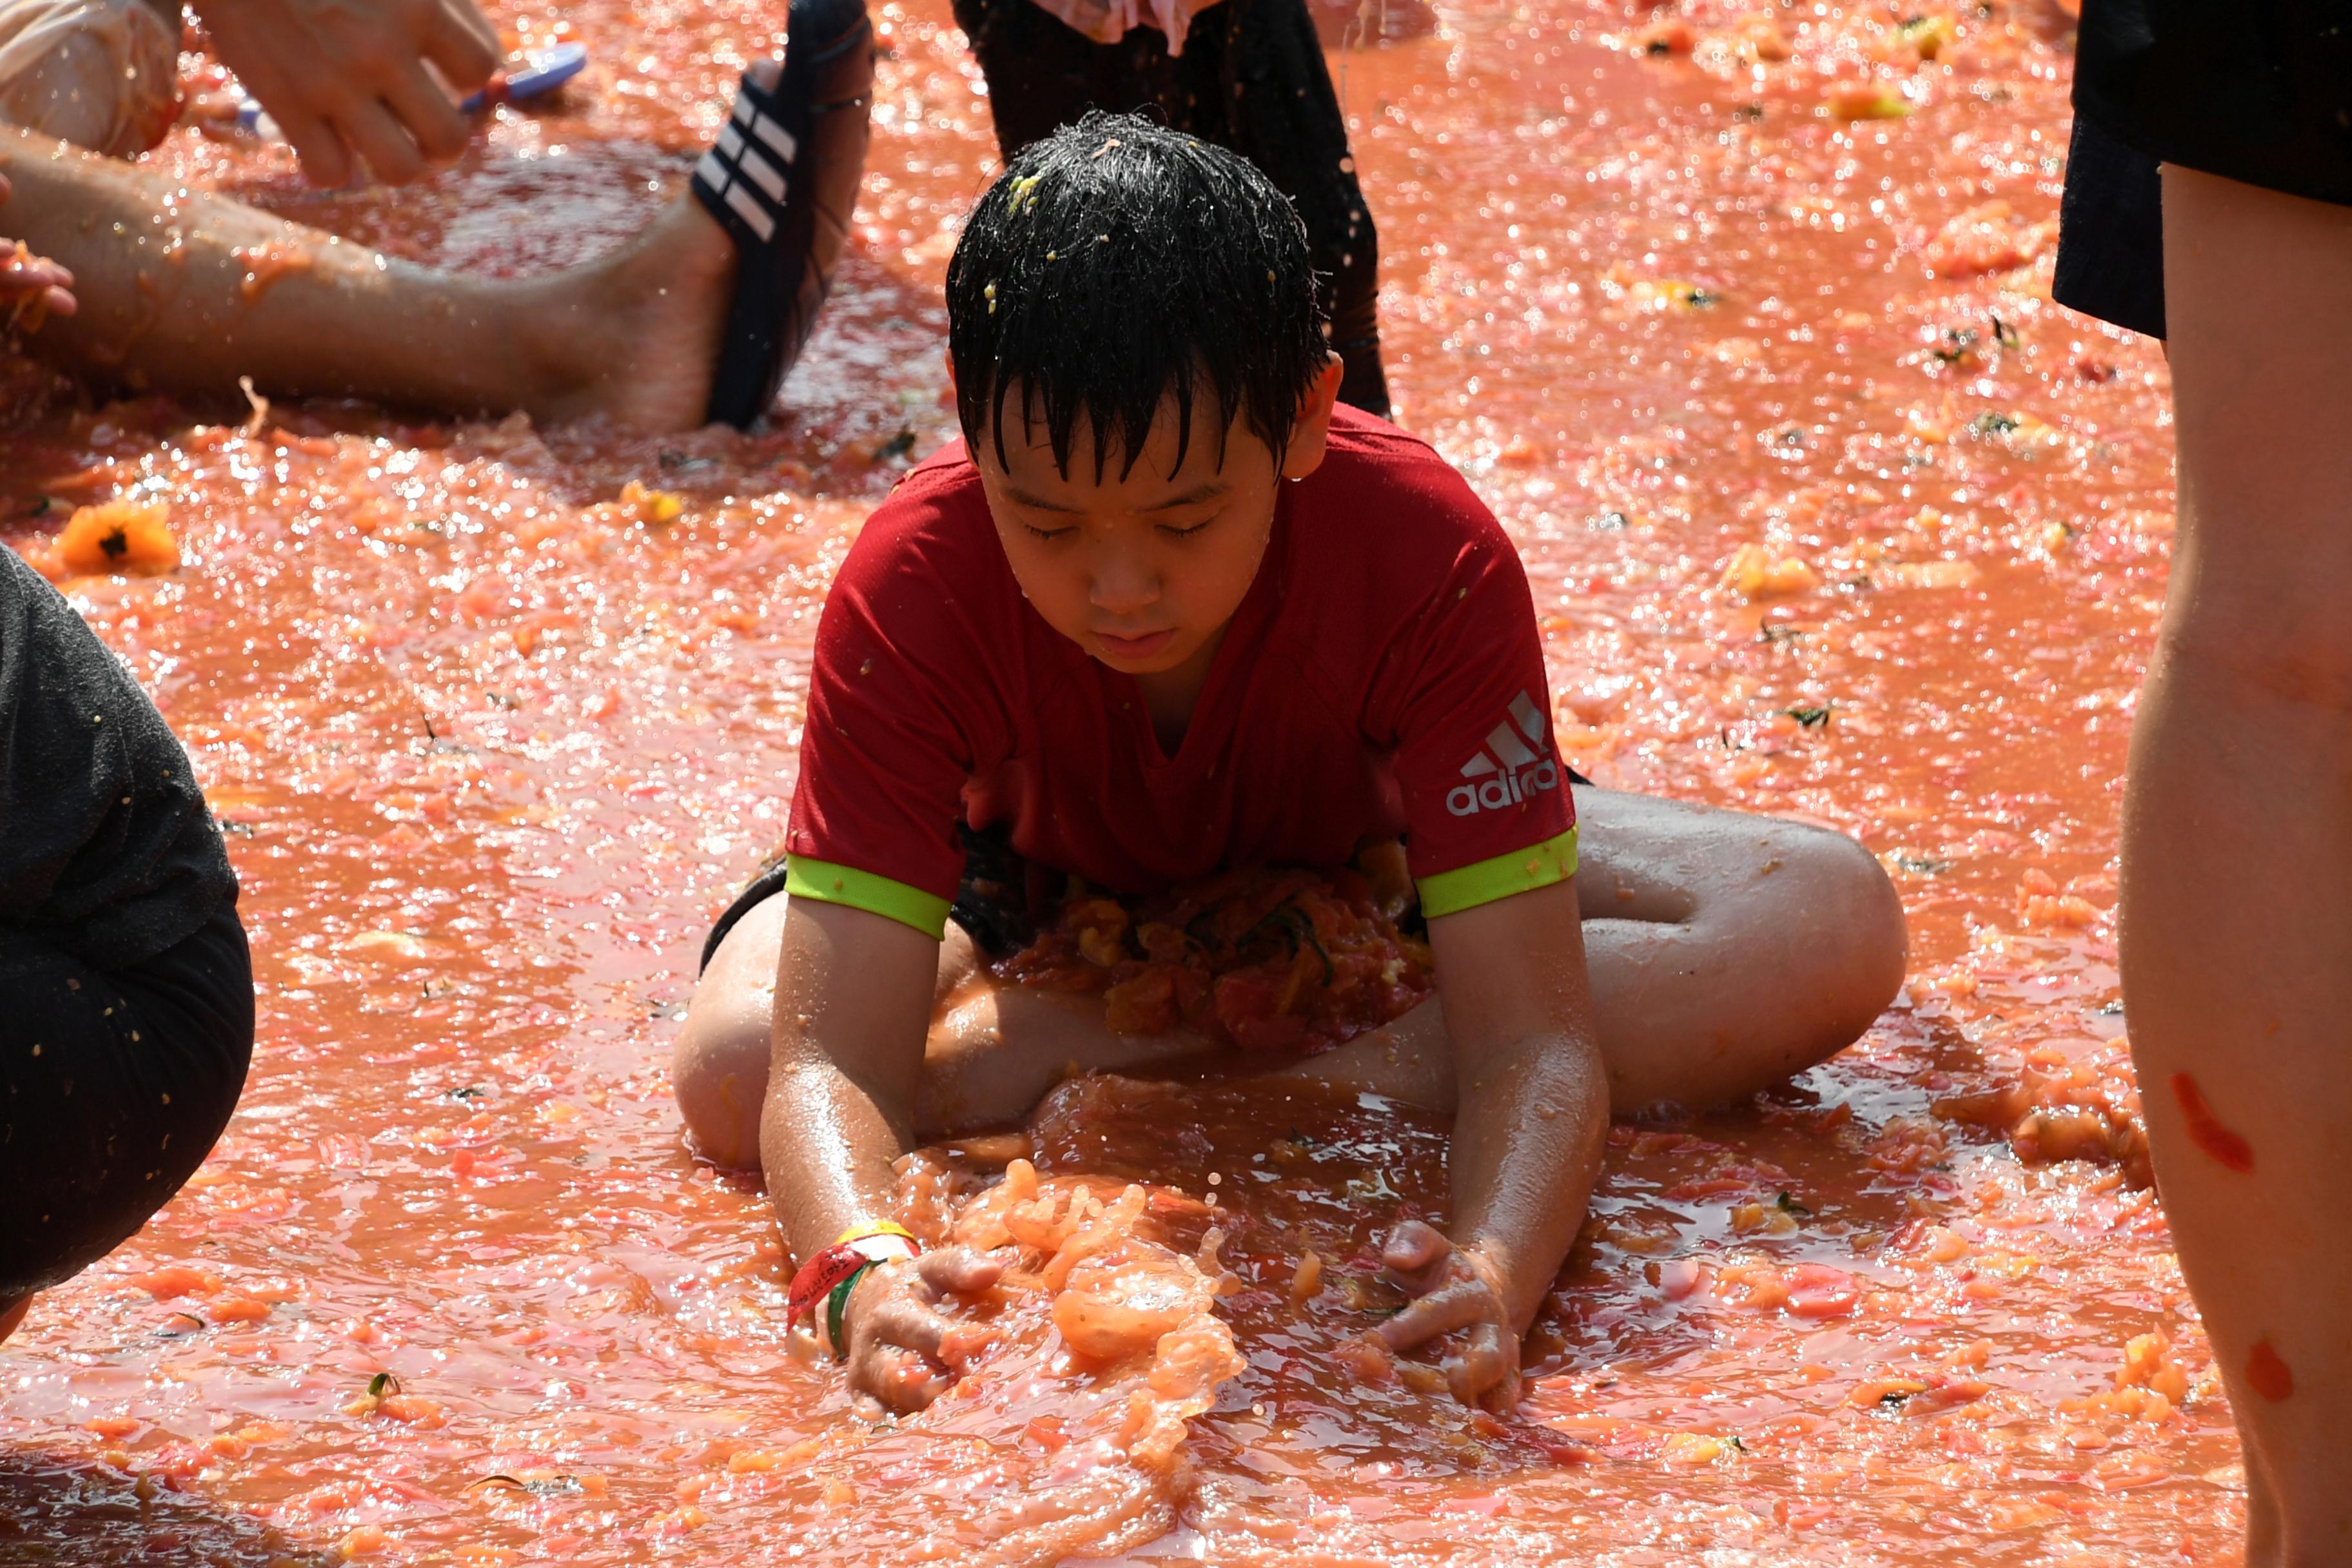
point(2267, 1373)
point(1818, 1290)
point(2227, 1149)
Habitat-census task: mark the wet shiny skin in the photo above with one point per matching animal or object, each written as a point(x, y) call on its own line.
point(493, 751)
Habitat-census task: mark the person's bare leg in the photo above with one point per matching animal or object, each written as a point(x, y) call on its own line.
point(971, 1079)
point(2236, 919)
point(12, 1314)
point(1726, 952)
point(186, 292)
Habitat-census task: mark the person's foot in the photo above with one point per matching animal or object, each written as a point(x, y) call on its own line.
point(635, 336)
point(12, 1312)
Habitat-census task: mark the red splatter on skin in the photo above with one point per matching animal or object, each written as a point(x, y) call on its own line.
point(2266, 1374)
point(2205, 1129)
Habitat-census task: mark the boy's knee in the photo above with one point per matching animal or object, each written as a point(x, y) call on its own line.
point(720, 1077)
point(1853, 906)
point(719, 1069)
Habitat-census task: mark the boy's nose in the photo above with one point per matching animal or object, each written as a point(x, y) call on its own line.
point(1123, 585)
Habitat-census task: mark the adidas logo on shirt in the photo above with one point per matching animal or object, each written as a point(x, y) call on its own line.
point(1509, 769)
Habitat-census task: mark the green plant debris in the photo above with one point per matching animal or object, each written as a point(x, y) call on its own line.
point(1959, 344)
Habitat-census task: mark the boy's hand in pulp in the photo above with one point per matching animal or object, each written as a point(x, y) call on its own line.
point(1456, 1290)
point(904, 1352)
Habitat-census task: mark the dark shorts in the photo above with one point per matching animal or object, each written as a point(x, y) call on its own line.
point(1251, 79)
point(1000, 902)
point(2256, 91)
point(2111, 234)
point(114, 1084)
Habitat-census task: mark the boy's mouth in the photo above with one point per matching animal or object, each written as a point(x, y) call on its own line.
point(1135, 648)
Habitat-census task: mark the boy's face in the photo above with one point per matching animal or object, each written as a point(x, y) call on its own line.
point(1144, 570)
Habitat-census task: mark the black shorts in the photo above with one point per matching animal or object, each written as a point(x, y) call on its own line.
point(1000, 902)
point(2111, 233)
point(115, 1085)
point(2256, 91)
point(1252, 79)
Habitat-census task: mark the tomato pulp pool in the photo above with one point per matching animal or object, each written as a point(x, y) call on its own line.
point(1739, 319)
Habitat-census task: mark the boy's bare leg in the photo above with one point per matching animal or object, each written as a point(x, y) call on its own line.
point(184, 292)
point(12, 1312)
point(2237, 856)
point(972, 1078)
point(1726, 953)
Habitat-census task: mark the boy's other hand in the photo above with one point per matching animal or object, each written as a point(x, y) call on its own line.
point(347, 79)
point(1456, 1290)
point(904, 1352)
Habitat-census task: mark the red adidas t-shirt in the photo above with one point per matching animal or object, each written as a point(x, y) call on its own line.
point(1382, 676)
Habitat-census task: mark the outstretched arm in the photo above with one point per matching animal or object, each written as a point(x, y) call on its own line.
point(852, 1014)
point(1528, 1138)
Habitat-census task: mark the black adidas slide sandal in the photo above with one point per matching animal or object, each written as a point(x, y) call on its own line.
point(782, 179)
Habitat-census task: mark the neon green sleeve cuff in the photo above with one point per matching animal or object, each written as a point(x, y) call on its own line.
point(830, 884)
point(1520, 871)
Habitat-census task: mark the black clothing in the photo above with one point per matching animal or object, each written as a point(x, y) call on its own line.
point(2254, 91)
point(126, 991)
point(1251, 79)
point(999, 903)
point(2258, 91)
point(2111, 233)
point(106, 847)
point(114, 1084)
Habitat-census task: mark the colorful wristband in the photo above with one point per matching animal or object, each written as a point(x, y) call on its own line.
point(835, 1304)
point(857, 1249)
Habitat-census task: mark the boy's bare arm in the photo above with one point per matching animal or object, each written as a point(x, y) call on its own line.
point(1529, 1136)
point(852, 1008)
point(852, 1014)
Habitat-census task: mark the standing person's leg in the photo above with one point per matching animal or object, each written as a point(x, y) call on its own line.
point(1251, 79)
point(1283, 114)
point(1043, 73)
point(2237, 859)
point(114, 1084)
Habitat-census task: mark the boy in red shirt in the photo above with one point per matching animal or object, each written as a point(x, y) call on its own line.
point(1168, 613)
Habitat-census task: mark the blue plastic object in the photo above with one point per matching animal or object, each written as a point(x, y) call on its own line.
point(536, 72)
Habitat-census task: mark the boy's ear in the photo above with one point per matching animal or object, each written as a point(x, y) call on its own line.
point(1311, 434)
point(947, 357)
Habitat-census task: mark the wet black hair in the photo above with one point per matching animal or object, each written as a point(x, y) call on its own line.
point(1117, 261)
